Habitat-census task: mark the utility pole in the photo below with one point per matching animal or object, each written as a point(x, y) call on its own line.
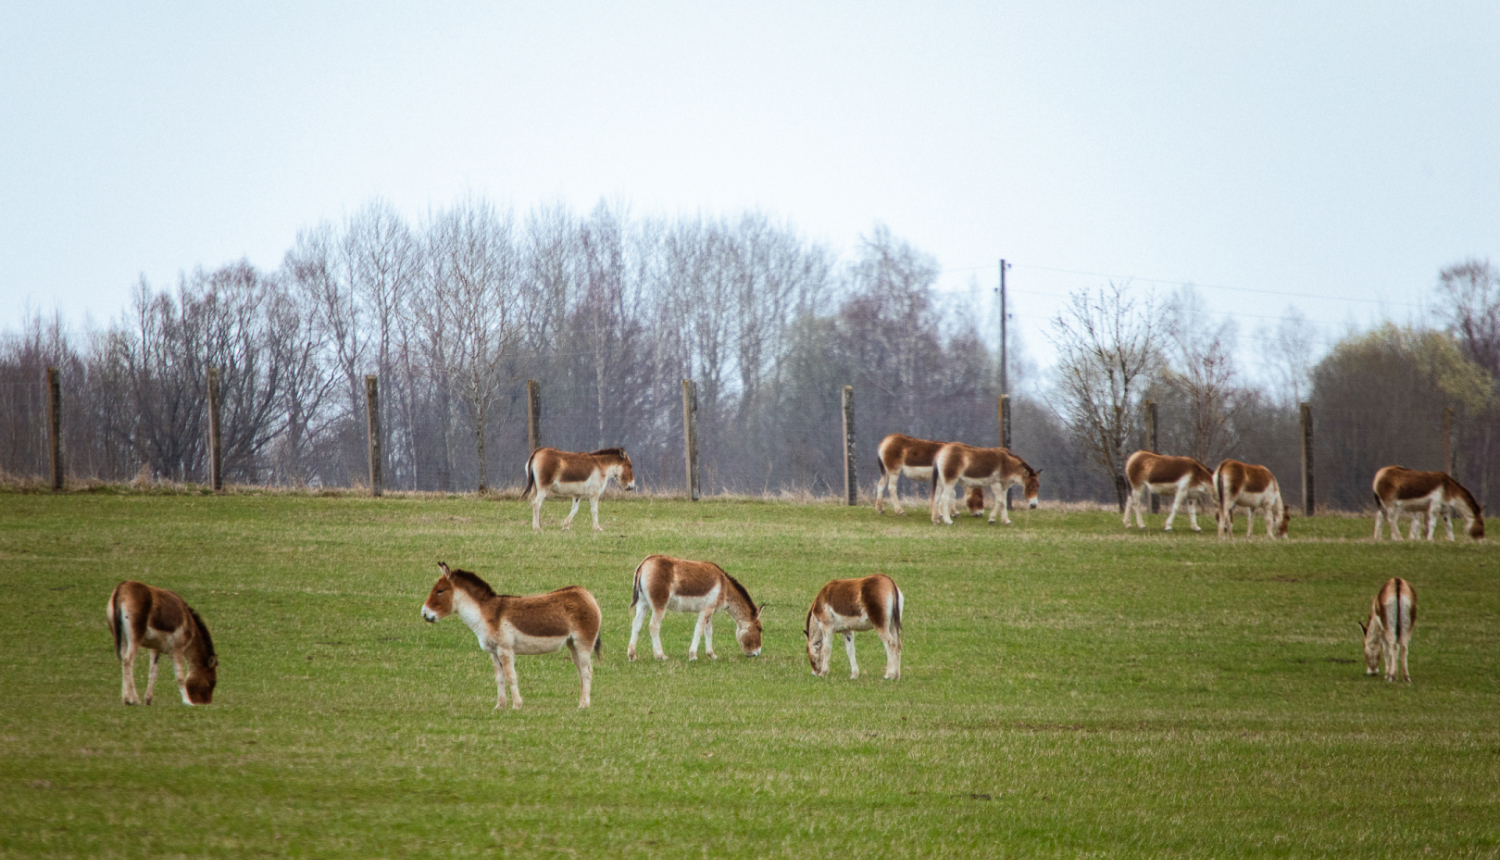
point(1004, 365)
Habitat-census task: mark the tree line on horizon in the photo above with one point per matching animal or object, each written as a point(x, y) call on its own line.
point(610, 313)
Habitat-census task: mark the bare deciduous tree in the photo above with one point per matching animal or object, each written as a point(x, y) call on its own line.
point(1108, 349)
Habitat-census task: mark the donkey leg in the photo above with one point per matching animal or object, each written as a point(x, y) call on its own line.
point(585, 663)
point(698, 626)
point(508, 665)
point(1447, 524)
point(154, 664)
point(892, 642)
point(179, 672)
point(1193, 515)
point(500, 682)
point(536, 508)
point(594, 509)
point(708, 636)
point(1129, 504)
point(567, 523)
point(128, 694)
point(1405, 673)
point(641, 609)
point(853, 664)
point(1172, 514)
point(656, 616)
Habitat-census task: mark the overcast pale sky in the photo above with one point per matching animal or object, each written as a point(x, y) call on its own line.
point(1332, 156)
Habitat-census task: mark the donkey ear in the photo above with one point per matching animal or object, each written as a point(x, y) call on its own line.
point(1039, 471)
point(1363, 629)
point(761, 609)
point(444, 568)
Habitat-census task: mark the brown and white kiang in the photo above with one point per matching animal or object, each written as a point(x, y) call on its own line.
point(144, 616)
point(907, 456)
point(996, 468)
point(507, 625)
point(849, 606)
point(1254, 488)
point(1393, 612)
point(576, 475)
point(1430, 494)
point(1186, 479)
point(664, 584)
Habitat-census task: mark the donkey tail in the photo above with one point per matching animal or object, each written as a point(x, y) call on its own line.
point(635, 588)
point(116, 619)
point(896, 612)
point(599, 644)
point(530, 476)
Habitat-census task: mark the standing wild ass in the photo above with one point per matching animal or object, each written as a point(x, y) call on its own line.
point(566, 473)
point(848, 606)
point(1184, 477)
point(507, 625)
point(663, 583)
point(1398, 488)
point(142, 615)
point(996, 468)
point(912, 458)
point(1388, 630)
point(1244, 485)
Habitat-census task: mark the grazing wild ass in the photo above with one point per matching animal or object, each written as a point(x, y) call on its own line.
point(1388, 630)
point(1184, 477)
point(849, 606)
point(663, 583)
point(507, 625)
point(912, 458)
point(1398, 488)
point(143, 616)
point(996, 468)
point(565, 473)
point(1244, 485)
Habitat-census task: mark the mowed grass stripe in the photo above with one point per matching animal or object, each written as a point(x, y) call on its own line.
point(1068, 688)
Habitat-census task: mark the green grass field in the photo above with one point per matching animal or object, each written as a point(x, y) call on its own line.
point(1069, 689)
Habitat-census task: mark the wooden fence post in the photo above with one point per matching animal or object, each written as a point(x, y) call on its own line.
point(851, 481)
point(1308, 497)
point(533, 415)
point(372, 424)
point(1448, 440)
point(690, 435)
point(1153, 443)
point(54, 426)
point(215, 440)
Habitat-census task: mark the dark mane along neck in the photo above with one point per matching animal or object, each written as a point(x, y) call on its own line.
point(203, 636)
point(740, 590)
point(472, 584)
point(1454, 488)
point(617, 453)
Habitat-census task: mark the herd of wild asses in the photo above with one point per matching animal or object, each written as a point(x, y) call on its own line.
point(143, 616)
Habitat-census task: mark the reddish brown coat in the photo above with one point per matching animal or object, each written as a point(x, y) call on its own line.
point(507, 625)
point(144, 616)
point(996, 468)
point(664, 583)
point(1245, 485)
point(1388, 628)
point(907, 456)
point(1432, 494)
point(576, 475)
point(1186, 479)
point(847, 606)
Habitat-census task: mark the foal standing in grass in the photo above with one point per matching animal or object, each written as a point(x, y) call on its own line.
point(507, 625)
point(663, 583)
point(848, 606)
point(142, 615)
